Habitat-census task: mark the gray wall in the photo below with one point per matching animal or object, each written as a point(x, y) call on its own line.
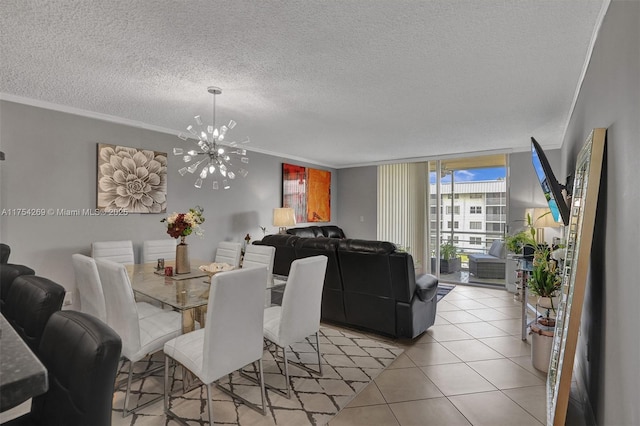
point(357, 201)
point(608, 352)
point(51, 163)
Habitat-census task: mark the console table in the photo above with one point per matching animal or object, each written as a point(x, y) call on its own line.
point(524, 268)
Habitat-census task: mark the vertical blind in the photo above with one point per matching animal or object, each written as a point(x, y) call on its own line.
point(401, 208)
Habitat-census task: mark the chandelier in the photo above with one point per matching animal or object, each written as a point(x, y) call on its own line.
point(212, 158)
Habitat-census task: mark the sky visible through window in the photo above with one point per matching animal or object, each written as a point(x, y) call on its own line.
point(473, 175)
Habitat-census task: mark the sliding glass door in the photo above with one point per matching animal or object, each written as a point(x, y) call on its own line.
point(466, 212)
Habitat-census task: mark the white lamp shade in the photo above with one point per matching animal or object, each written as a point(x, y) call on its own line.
point(283, 217)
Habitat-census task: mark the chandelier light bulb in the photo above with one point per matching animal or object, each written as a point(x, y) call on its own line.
point(210, 150)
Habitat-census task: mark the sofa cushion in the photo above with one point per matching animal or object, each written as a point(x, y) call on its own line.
point(497, 249)
point(485, 258)
point(306, 232)
point(367, 246)
point(331, 231)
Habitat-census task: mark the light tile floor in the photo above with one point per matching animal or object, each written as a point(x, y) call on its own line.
point(470, 368)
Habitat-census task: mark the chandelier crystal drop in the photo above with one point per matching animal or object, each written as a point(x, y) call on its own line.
point(223, 162)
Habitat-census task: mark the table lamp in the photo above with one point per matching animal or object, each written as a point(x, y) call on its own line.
point(542, 218)
point(283, 217)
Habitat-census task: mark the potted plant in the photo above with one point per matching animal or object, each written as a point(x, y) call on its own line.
point(544, 282)
point(449, 259)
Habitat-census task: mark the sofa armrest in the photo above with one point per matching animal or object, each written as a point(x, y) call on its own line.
point(426, 287)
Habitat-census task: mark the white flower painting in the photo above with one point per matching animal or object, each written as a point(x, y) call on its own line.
point(131, 179)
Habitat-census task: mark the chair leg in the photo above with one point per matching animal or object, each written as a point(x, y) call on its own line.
point(318, 350)
point(210, 403)
point(166, 383)
point(125, 413)
point(262, 389)
point(286, 371)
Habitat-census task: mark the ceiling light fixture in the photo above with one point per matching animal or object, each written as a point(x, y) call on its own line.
point(216, 158)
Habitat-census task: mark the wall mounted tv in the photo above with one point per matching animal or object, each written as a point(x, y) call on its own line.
point(550, 185)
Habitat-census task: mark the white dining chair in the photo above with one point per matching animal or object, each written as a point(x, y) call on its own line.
point(257, 256)
point(140, 336)
point(91, 293)
point(115, 251)
point(229, 252)
point(231, 340)
point(152, 250)
point(299, 315)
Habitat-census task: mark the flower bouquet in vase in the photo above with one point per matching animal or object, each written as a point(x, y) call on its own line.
point(181, 225)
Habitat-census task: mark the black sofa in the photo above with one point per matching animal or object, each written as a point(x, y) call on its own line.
point(368, 284)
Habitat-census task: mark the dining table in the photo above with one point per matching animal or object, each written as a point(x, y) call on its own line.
point(22, 374)
point(185, 293)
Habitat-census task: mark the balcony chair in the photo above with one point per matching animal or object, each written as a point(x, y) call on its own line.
point(140, 336)
point(231, 340)
point(490, 265)
point(152, 250)
point(115, 251)
point(81, 355)
point(228, 252)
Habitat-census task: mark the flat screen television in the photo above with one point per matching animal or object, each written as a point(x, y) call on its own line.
point(550, 185)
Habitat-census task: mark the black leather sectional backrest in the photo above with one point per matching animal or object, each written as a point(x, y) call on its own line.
point(307, 247)
point(326, 231)
point(285, 251)
point(365, 266)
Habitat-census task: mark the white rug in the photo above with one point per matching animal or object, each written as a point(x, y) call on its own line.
point(350, 363)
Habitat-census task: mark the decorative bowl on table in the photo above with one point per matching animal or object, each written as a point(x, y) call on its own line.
point(214, 268)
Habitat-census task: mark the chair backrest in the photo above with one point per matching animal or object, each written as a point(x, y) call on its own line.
point(256, 256)
point(120, 304)
point(235, 317)
point(152, 250)
point(302, 298)
point(8, 273)
point(115, 251)
point(89, 287)
point(81, 354)
point(30, 303)
point(228, 252)
point(5, 251)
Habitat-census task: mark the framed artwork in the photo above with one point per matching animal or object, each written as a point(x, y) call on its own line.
point(308, 192)
point(576, 267)
point(131, 179)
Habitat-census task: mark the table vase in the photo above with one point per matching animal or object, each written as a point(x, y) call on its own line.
point(182, 258)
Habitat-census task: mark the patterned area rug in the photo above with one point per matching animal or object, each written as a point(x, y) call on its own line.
point(443, 289)
point(349, 364)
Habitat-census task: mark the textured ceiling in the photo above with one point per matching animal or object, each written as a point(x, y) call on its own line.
point(339, 83)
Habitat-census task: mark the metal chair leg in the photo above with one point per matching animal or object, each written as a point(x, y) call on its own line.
point(286, 372)
point(210, 403)
point(166, 383)
point(125, 413)
point(318, 350)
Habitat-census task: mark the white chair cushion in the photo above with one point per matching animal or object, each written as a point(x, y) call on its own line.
point(89, 287)
point(228, 252)
point(155, 330)
point(115, 251)
point(272, 322)
point(188, 350)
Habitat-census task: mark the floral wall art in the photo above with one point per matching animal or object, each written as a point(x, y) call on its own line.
point(131, 179)
point(308, 192)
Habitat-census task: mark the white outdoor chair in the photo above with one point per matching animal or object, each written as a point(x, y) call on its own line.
point(257, 256)
point(299, 315)
point(231, 340)
point(152, 250)
point(115, 251)
point(91, 293)
point(228, 252)
point(140, 336)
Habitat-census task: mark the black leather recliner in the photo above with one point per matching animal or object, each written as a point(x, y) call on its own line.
point(29, 304)
point(81, 354)
point(5, 251)
point(8, 273)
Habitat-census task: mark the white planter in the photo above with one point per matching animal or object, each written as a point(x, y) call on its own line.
point(541, 343)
